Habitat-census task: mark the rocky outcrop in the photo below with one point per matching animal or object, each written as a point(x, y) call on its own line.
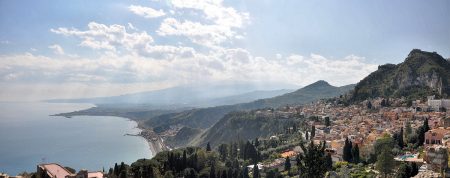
point(422, 73)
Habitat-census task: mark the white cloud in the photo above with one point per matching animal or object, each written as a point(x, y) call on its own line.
point(146, 12)
point(113, 37)
point(215, 10)
point(219, 25)
point(57, 49)
point(207, 35)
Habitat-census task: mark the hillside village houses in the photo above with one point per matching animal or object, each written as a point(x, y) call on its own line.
point(364, 127)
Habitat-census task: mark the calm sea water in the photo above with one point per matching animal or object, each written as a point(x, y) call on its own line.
point(29, 136)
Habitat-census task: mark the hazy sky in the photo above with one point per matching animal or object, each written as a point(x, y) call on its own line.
point(60, 49)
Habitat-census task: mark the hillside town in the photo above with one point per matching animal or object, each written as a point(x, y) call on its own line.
point(362, 125)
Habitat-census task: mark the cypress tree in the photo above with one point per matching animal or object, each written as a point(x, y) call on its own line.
point(327, 121)
point(255, 171)
point(355, 154)
point(116, 170)
point(208, 147)
point(347, 151)
point(287, 164)
point(313, 132)
point(329, 162)
point(400, 139)
point(184, 159)
point(212, 172)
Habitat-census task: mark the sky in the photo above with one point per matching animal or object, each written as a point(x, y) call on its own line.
point(84, 48)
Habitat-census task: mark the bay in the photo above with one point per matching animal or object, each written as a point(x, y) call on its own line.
point(30, 136)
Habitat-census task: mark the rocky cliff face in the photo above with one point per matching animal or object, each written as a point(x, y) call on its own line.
point(422, 73)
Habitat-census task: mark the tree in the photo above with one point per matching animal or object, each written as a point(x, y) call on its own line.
point(312, 160)
point(116, 170)
point(287, 164)
point(404, 171)
point(255, 170)
point(244, 172)
point(329, 162)
point(256, 143)
point(369, 105)
point(383, 103)
point(355, 154)
point(385, 162)
point(212, 172)
point(184, 159)
point(313, 131)
point(250, 152)
point(400, 142)
point(208, 147)
point(224, 174)
point(123, 174)
point(347, 151)
point(306, 135)
point(408, 129)
point(327, 121)
point(421, 132)
point(223, 151)
point(273, 173)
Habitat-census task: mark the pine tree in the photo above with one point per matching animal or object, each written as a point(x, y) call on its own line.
point(306, 135)
point(369, 105)
point(313, 132)
point(312, 160)
point(385, 162)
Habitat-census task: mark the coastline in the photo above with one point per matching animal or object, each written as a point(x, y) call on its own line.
point(155, 142)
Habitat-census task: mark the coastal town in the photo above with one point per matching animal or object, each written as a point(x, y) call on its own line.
point(331, 122)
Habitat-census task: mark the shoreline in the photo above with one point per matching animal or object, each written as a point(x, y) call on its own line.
point(154, 141)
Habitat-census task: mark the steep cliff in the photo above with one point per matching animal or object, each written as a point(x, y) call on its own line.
point(421, 74)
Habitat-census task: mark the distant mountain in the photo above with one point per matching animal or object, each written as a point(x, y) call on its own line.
point(206, 117)
point(421, 74)
point(187, 96)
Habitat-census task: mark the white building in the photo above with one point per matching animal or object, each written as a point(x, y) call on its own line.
point(437, 104)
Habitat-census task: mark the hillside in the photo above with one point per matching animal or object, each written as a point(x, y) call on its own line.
point(421, 74)
point(206, 117)
point(242, 125)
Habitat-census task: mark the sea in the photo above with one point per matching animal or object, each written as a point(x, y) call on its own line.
point(30, 136)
